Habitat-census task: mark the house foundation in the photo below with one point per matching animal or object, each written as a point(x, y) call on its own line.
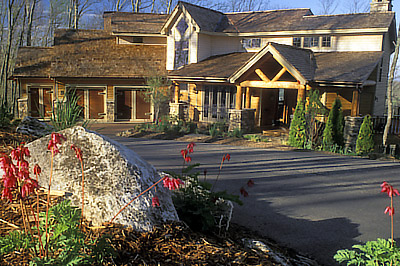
point(351, 129)
point(110, 111)
point(22, 108)
point(178, 110)
point(242, 119)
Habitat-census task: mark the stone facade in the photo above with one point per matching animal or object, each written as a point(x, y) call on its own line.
point(351, 129)
point(110, 111)
point(22, 107)
point(178, 110)
point(243, 119)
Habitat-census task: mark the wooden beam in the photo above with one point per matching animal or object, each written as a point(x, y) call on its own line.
point(301, 93)
point(238, 98)
point(262, 76)
point(355, 103)
point(279, 75)
point(248, 96)
point(271, 85)
point(177, 92)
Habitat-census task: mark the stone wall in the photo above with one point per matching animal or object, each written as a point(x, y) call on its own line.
point(351, 129)
point(178, 110)
point(110, 111)
point(242, 119)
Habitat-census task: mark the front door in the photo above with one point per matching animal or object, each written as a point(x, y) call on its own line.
point(124, 104)
point(40, 102)
point(269, 107)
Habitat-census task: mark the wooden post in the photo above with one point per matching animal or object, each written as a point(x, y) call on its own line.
point(355, 103)
point(238, 98)
point(248, 97)
point(177, 92)
point(301, 94)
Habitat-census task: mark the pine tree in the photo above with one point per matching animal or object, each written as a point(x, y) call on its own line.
point(365, 139)
point(297, 133)
point(333, 133)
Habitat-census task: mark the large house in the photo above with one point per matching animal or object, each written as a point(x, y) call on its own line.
point(248, 67)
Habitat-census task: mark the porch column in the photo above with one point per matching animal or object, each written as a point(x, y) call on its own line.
point(301, 94)
point(355, 103)
point(177, 92)
point(238, 98)
point(248, 97)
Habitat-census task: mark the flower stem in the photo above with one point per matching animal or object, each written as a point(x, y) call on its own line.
point(48, 202)
point(129, 203)
point(83, 191)
point(216, 179)
point(391, 205)
point(38, 230)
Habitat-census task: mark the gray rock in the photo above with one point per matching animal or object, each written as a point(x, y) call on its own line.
point(114, 175)
point(34, 127)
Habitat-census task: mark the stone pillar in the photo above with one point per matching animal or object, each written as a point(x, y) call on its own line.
point(110, 111)
point(351, 128)
point(178, 110)
point(238, 98)
point(23, 108)
point(355, 103)
point(248, 97)
point(243, 119)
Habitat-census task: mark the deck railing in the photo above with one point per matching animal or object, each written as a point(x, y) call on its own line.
point(379, 123)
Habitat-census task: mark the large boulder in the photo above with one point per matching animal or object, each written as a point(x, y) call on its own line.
point(32, 126)
point(114, 175)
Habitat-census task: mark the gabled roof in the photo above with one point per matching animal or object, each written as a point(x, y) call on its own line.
point(318, 67)
point(128, 22)
point(283, 20)
point(90, 54)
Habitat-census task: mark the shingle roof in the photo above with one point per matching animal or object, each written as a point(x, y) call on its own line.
point(346, 66)
point(33, 62)
point(91, 53)
point(128, 22)
point(301, 19)
point(352, 67)
point(220, 66)
point(207, 19)
point(301, 59)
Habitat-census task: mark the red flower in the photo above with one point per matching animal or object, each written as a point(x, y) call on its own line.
point(244, 192)
point(389, 210)
point(172, 183)
point(28, 187)
point(226, 157)
point(250, 183)
point(55, 139)
point(6, 194)
point(188, 159)
point(386, 187)
point(37, 170)
point(184, 153)
point(78, 152)
point(190, 147)
point(155, 202)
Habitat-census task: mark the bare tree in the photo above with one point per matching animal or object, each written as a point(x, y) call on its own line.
point(328, 6)
point(389, 93)
point(357, 6)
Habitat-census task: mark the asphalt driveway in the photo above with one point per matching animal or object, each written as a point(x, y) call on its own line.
point(312, 202)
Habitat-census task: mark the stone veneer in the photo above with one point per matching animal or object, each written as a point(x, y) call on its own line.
point(351, 129)
point(178, 110)
point(22, 108)
point(110, 117)
point(243, 119)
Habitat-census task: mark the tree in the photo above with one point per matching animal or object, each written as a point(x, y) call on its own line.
point(389, 93)
point(365, 140)
point(357, 6)
point(157, 92)
point(333, 132)
point(297, 132)
point(328, 6)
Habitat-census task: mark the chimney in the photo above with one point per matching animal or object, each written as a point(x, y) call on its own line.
point(381, 5)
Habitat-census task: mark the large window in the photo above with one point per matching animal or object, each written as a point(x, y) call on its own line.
point(313, 41)
point(217, 101)
point(181, 45)
point(326, 41)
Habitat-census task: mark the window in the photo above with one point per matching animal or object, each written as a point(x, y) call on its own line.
point(296, 41)
point(251, 43)
point(311, 42)
point(181, 45)
point(217, 101)
point(326, 41)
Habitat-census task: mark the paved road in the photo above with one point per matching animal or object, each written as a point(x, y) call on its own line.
point(311, 202)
